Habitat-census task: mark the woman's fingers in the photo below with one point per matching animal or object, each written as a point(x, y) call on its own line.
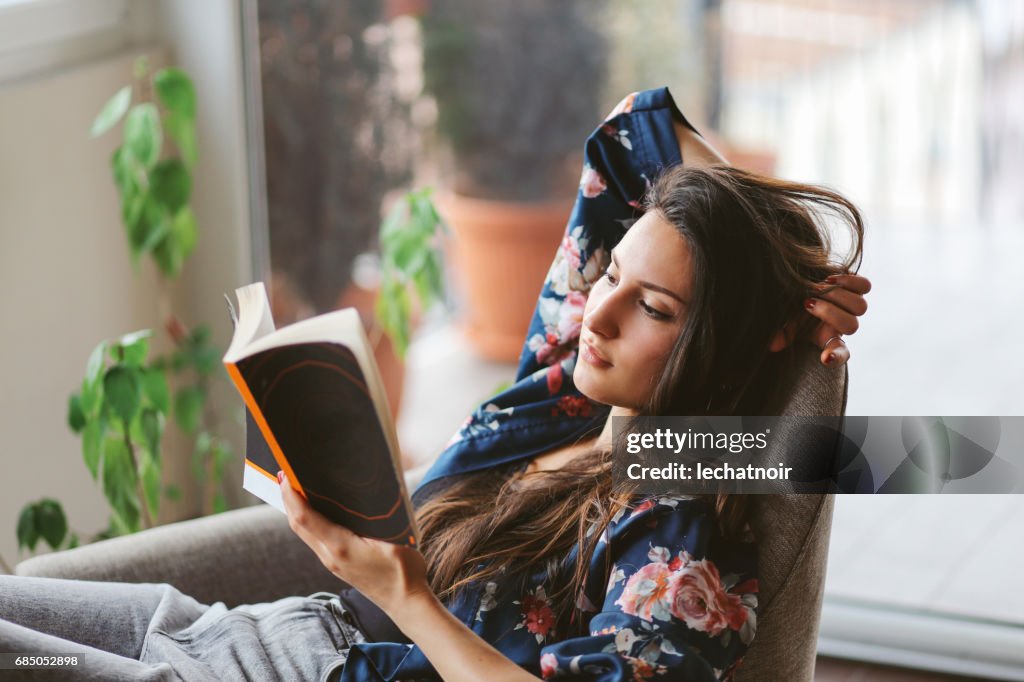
point(838, 305)
point(855, 283)
point(834, 351)
point(832, 315)
point(852, 302)
point(330, 541)
point(298, 517)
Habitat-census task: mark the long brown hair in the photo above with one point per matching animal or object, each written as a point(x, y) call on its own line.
point(760, 246)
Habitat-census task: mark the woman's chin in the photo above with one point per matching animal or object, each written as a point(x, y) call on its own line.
point(590, 386)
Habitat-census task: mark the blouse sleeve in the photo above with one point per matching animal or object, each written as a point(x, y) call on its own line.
point(680, 602)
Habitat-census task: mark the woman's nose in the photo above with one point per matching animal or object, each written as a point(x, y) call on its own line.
point(599, 317)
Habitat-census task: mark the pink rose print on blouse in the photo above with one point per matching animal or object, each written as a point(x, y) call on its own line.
point(548, 666)
point(696, 597)
point(562, 322)
point(645, 591)
point(693, 592)
point(538, 618)
point(568, 272)
point(643, 669)
point(591, 182)
point(554, 377)
point(572, 406)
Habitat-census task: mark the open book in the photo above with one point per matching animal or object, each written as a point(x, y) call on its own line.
point(316, 409)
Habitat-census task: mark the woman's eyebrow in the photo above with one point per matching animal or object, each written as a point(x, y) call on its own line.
point(650, 285)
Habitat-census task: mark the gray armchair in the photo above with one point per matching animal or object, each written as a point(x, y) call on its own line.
point(251, 555)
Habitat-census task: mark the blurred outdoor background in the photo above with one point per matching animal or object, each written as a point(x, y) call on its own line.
point(314, 118)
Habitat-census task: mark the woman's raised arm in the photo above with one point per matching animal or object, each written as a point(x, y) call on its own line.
point(695, 151)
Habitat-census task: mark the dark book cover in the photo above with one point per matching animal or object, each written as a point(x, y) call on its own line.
point(313, 400)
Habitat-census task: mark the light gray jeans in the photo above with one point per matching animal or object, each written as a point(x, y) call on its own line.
point(147, 631)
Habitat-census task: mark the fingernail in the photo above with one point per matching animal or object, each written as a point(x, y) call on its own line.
point(809, 304)
point(831, 279)
point(280, 477)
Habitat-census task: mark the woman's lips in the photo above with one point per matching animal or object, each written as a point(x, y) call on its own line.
point(591, 357)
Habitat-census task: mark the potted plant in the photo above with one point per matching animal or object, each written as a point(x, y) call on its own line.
point(391, 287)
point(126, 397)
point(517, 87)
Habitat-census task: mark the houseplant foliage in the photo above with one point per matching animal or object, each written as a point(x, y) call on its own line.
point(127, 397)
point(410, 260)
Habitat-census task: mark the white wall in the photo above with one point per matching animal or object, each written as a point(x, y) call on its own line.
point(65, 277)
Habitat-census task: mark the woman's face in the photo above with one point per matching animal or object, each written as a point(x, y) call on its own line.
point(634, 314)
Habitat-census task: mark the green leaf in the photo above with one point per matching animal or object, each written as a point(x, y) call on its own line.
point(143, 135)
point(393, 222)
point(112, 111)
point(135, 347)
point(182, 130)
point(92, 439)
point(95, 363)
point(435, 278)
point(73, 541)
point(125, 170)
point(167, 256)
point(152, 429)
point(188, 408)
point(151, 229)
point(119, 483)
point(51, 522)
point(170, 184)
point(89, 398)
point(150, 477)
point(133, 215)
point(28, 532)
point(393, 310)
point(122, 392)
point(185, 231)
point(76, 415)
point(175, 90)
point(154, 387)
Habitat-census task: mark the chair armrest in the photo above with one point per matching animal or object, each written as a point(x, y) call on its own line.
point(248, 555)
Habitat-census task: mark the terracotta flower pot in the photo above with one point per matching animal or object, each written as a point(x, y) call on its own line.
point(502, 252)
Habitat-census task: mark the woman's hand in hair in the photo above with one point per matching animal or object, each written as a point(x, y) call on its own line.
point(837, 306)
point(387, 574)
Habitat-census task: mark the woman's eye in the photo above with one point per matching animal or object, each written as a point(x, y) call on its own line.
point(608, 276)
point(656, 314)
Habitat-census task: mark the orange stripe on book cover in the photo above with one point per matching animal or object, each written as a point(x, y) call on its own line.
point(261, 422)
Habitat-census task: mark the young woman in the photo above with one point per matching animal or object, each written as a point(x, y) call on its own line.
point(533, 563)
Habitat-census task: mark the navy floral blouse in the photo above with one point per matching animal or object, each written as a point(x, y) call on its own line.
point(679, 601)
